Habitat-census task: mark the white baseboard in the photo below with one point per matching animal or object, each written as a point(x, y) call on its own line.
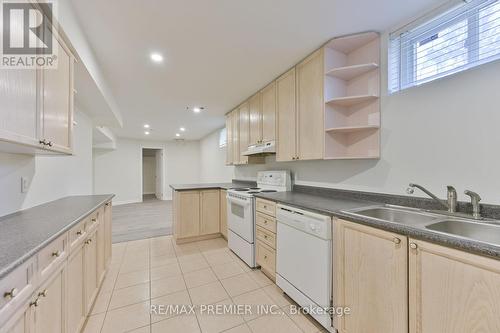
point(125, 202)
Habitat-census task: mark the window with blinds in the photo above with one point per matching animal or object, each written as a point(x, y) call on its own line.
point(461, 37)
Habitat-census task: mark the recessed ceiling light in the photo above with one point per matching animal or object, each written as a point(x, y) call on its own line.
point(147, 132)
point(197, 109)
point(156, 57)
point(146, 126)
point(177, 135)
point(182, 129)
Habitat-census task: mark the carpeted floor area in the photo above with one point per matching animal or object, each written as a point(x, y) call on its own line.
point(147, 219)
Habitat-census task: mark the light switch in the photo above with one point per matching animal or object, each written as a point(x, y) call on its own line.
point(25, 184)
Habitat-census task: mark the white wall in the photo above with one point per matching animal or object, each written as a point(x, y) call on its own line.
point(445, 132)
point(148, 174)
point(52, 177)
point(120, 171)
point(213, 160)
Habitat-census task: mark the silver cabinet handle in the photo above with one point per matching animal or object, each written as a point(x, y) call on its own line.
point(43, 142)
point(43, 293)
point(50, 144)
point(56, 254)
point(88, 241)
point(397, 240)
point(11, 294)
point(79, 233)
point(35, 303)
point(413, 246)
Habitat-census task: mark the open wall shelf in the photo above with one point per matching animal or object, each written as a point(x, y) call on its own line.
point(352, 90)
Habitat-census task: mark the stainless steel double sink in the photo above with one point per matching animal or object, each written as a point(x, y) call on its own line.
point(487, 231)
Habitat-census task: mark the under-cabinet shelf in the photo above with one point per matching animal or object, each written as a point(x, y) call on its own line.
point(350, 129)
point(352, 157)
point(350, 72)
point(352, 100)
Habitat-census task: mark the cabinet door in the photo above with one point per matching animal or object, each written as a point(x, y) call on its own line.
point(285, 97)
point(90, 252)
point(244, 131)
point(235, 118)
point(210, 212)
point(255, 112)
point(371, 278)
point(50, 312)
point(223, 213)
point(452, 291)
point(310, 107)
point(20, 322)
point(229, 140)
point(108, 230)
point(58, 101)
point(188, 214)
point(101, 246)
point(269, 113)
point(18, 109)
point(75, 291)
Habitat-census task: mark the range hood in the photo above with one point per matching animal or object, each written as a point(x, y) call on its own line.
point(261, 149)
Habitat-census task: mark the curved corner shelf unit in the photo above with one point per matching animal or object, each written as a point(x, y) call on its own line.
point(351, 92)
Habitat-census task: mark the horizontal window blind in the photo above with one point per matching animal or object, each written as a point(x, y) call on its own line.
point(463, 37)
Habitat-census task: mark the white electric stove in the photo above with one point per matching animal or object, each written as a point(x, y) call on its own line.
point(241, 212)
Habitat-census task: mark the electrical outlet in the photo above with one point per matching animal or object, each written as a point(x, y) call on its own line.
point(25, 184)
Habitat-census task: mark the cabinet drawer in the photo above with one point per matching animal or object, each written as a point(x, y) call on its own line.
point(76, 235)
point(52, 255)
point(266, 207)
point(15, 289)
point(91, 221)
point(266, 237)
point(266, 257)
point(266, 222)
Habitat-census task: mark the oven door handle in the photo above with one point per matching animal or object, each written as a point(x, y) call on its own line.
point(239, 201)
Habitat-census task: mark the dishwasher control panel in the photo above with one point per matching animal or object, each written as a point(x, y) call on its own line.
point(309, 222)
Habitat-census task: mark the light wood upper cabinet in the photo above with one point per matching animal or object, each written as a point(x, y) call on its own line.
point(310, 107)
point(210, 212)
point(76, 291)
point(255, 112)
point(235, 118)
point(244, 131)
point(18, 109)
point(229, 140)
point(49, 314)
point(223, 213)
point(286, 117)
point(371, 278)
point(269, 113)
point(57, 102)
point(452, 291)
point(36, 112)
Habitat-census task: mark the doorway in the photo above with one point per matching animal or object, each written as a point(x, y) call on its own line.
point(152, 174)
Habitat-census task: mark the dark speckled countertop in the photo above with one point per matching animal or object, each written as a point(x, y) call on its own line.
point(25, 233)
point(336, 202)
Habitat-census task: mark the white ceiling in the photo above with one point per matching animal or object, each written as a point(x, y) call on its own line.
point(217, 52)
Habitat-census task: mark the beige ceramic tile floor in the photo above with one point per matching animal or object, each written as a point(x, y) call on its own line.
point(158, 272)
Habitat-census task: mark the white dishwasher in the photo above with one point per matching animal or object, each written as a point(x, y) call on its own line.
point(304, 260)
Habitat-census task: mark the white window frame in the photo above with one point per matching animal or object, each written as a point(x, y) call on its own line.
point(403, 47)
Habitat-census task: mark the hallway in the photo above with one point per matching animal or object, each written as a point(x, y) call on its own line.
point(147, 219)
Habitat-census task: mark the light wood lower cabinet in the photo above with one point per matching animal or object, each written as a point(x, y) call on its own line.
point(210, 212)
point(91, 280)
point(265, 236)
point(50, 307)
point(452, 291)
point(55, 290)
point(196, 214)
point(76, 290)
point(108, 232)
point(371, 278)
point(223, 213)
